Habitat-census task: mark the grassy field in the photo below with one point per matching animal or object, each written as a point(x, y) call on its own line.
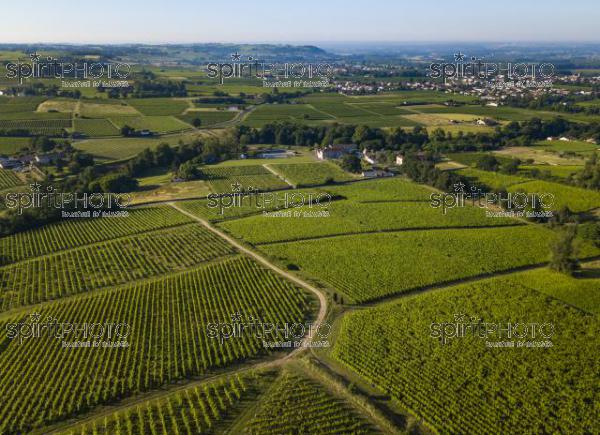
point(104, 110)
point(539, 156)
point(12, 145)
point(574, 146)
point(58, 105)
point(464, 386)
point(555, 171)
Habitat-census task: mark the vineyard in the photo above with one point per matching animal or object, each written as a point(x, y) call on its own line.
point(466, 387)
point(207, 118)
point(109, 263)
point(387, 189)
point(160, 124)
point(158, 106)
point(95, 127)
point(493, 180)
point(51, 127)
point(199, 409)
point(311, 174)
point(576, 198)
point(79, 232)
point(168, 319)
point(370, 266)
point(298, 405)
point(223, 178)
point(348, 217)
point(8, 179)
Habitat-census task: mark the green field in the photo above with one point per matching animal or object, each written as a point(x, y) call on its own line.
point(8, 179)
point(311, 174)
point(202, 409)
point(573, 146)
point(349, 217)
point(80, 232)
point(12, 145)
point(107, 264)
point(564, 171)
point(296, 404)
point(168, 320)
point(225, 179)
point(207, 118)
point(50, 127)
point(98, 109)
point(576, 198)
point(464, 386)
point(120, 148)
point(386, 189)
point(95, 127)
point(371, 266)
point(494, 180)
point(158, 106)
point(158, 124)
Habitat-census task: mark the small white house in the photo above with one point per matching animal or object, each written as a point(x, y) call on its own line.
point(565, 139)
point(480, 122)
point(550, 138)
point(399, 160)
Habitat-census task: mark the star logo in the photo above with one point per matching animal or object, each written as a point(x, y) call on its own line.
point(460, 317)
point(236, 187)
point(34, 56)
point(35, 317)
point(236, 56)
point(459, 187)
point(236, 317)
point(35, 187)
point(459, 57)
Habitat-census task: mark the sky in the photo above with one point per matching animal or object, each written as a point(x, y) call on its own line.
point(174, 21)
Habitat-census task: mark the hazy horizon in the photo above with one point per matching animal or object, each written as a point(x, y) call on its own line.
point(186, 21)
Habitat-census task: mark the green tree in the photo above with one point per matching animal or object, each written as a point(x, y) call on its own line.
point(351, 163)
point(563, 251)
point(188, 171)
point(117, 183)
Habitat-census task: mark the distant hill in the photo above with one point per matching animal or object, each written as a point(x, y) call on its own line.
point(173, 54)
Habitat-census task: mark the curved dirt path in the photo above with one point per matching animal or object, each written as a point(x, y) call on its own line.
point(68, 425)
